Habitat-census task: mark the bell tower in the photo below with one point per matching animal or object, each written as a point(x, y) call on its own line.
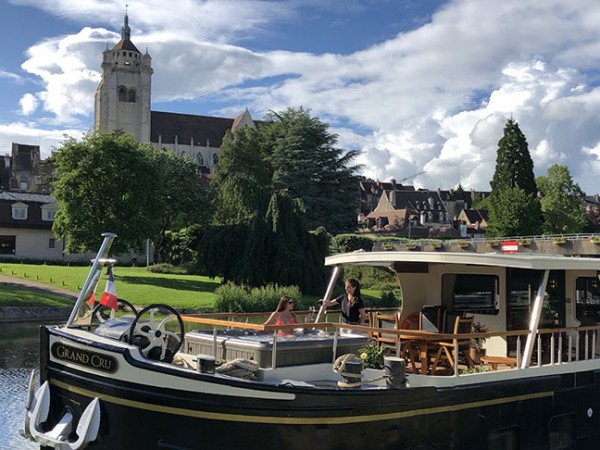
point(122, 99)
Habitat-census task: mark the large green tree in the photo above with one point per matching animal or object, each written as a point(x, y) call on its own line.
point(271, 186)
point(273, 247)
point(561, 201)
point(108, 182)
point(242, 182)
point(514, 191)
point(180, 196)
point(307, 163)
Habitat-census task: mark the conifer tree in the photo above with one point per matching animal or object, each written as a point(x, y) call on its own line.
point(514, 191)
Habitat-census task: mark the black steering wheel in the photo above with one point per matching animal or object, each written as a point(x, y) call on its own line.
point(158, 331)
point(103, 313)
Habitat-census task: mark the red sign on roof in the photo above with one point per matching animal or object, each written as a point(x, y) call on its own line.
point(510, 247)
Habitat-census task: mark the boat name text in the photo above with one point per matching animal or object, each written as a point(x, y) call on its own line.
point(85, 358)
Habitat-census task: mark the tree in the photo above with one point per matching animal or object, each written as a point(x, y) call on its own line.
point(242, 180)
point(271, 186)
point(108, 182)
point(562, 202)
point(274, 247)
point(180, 196)
point(306, 162)
point(512, 208)
point(513, 188)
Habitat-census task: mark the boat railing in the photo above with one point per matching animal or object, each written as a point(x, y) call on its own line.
point(552, 346)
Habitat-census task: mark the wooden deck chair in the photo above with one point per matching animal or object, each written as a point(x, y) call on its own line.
point(462, 325)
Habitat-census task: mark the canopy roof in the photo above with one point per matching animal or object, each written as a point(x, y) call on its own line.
point(514, 260)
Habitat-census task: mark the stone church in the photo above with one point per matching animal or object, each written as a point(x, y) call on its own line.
point(123, 101)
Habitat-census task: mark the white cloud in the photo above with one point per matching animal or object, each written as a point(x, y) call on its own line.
point(27, 133)
point(11, 76)
point(434, 99)
point(28, 104)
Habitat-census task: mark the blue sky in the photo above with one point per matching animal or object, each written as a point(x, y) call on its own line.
point(414, 85)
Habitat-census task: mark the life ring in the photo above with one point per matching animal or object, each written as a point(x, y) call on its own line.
point(410, 320)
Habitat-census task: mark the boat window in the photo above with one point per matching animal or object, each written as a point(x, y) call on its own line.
point(588, 300)
point(562, 432)
point(504, 439)
point(470, 293)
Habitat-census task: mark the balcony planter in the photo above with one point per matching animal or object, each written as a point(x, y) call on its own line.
point(494, 243)
point(559, 240)
point(436, 245)
point(595, 240)
point(525, 242)
point(412, 245)
point(463, 244)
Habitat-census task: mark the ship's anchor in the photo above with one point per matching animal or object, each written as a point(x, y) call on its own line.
point(38, 405)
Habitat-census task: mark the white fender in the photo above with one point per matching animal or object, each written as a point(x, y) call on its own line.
point(38, 406)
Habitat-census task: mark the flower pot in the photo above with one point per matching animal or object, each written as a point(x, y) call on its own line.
point(476, 354)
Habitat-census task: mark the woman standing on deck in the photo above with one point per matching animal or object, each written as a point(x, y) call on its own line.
point(351, 304)
point(283, 315)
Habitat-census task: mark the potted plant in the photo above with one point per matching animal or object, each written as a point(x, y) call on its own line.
point(477, 350)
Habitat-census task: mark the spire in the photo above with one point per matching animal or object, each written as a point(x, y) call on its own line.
point(125, 30)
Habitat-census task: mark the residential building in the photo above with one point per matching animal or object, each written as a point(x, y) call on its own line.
point(19, 171)
point(26, 227)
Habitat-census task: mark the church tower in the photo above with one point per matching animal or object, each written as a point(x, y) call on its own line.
point(122, 99)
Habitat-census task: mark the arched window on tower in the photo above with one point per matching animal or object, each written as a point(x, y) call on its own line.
point(131, 96)
point(215, 158)
point(200, 159)
point(122, 94)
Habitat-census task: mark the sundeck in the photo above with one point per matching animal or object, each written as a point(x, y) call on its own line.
point(138, 380)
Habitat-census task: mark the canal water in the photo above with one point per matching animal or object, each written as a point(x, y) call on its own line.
point(19, 355)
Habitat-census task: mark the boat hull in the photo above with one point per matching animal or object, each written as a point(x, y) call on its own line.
point(149, 407)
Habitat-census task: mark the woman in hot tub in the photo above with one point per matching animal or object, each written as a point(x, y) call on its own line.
point(283, 314)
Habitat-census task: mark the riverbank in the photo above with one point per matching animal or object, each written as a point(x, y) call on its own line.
point(10, 314)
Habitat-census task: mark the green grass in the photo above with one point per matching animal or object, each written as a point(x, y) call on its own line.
point(135, 284)
point(10, 296)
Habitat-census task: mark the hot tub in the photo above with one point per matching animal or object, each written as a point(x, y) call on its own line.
point(306, 348)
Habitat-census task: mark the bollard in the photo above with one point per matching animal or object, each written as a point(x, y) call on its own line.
point(351, 375)
point(206, 364)
point(395, 370)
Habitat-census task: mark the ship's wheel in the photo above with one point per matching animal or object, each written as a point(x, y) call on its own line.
point(103, 313)
point(158, 331)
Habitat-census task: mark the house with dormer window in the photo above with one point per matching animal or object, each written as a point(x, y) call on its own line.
point(26, 227)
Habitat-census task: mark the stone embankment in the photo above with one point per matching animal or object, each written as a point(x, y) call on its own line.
point(34, 313)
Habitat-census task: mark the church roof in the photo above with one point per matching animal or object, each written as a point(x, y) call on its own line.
point(202, 129)
point(126, 44)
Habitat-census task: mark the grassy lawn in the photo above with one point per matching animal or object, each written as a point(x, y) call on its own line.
point(135, 284)
point(10, 296)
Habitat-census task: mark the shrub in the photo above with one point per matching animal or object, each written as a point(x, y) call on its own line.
point(167, 268)
point(389, 298)
point(244, 299)
point(372, 277)
point(343, 243)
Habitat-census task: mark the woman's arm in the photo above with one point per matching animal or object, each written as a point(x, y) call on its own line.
point(272, 319)
point(362, 316)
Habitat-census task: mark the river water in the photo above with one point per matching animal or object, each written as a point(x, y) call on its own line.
point(19, 355)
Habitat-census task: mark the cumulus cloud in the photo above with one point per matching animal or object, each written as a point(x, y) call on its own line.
point(433, 99)
point(28, 104)
point(28, 133)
